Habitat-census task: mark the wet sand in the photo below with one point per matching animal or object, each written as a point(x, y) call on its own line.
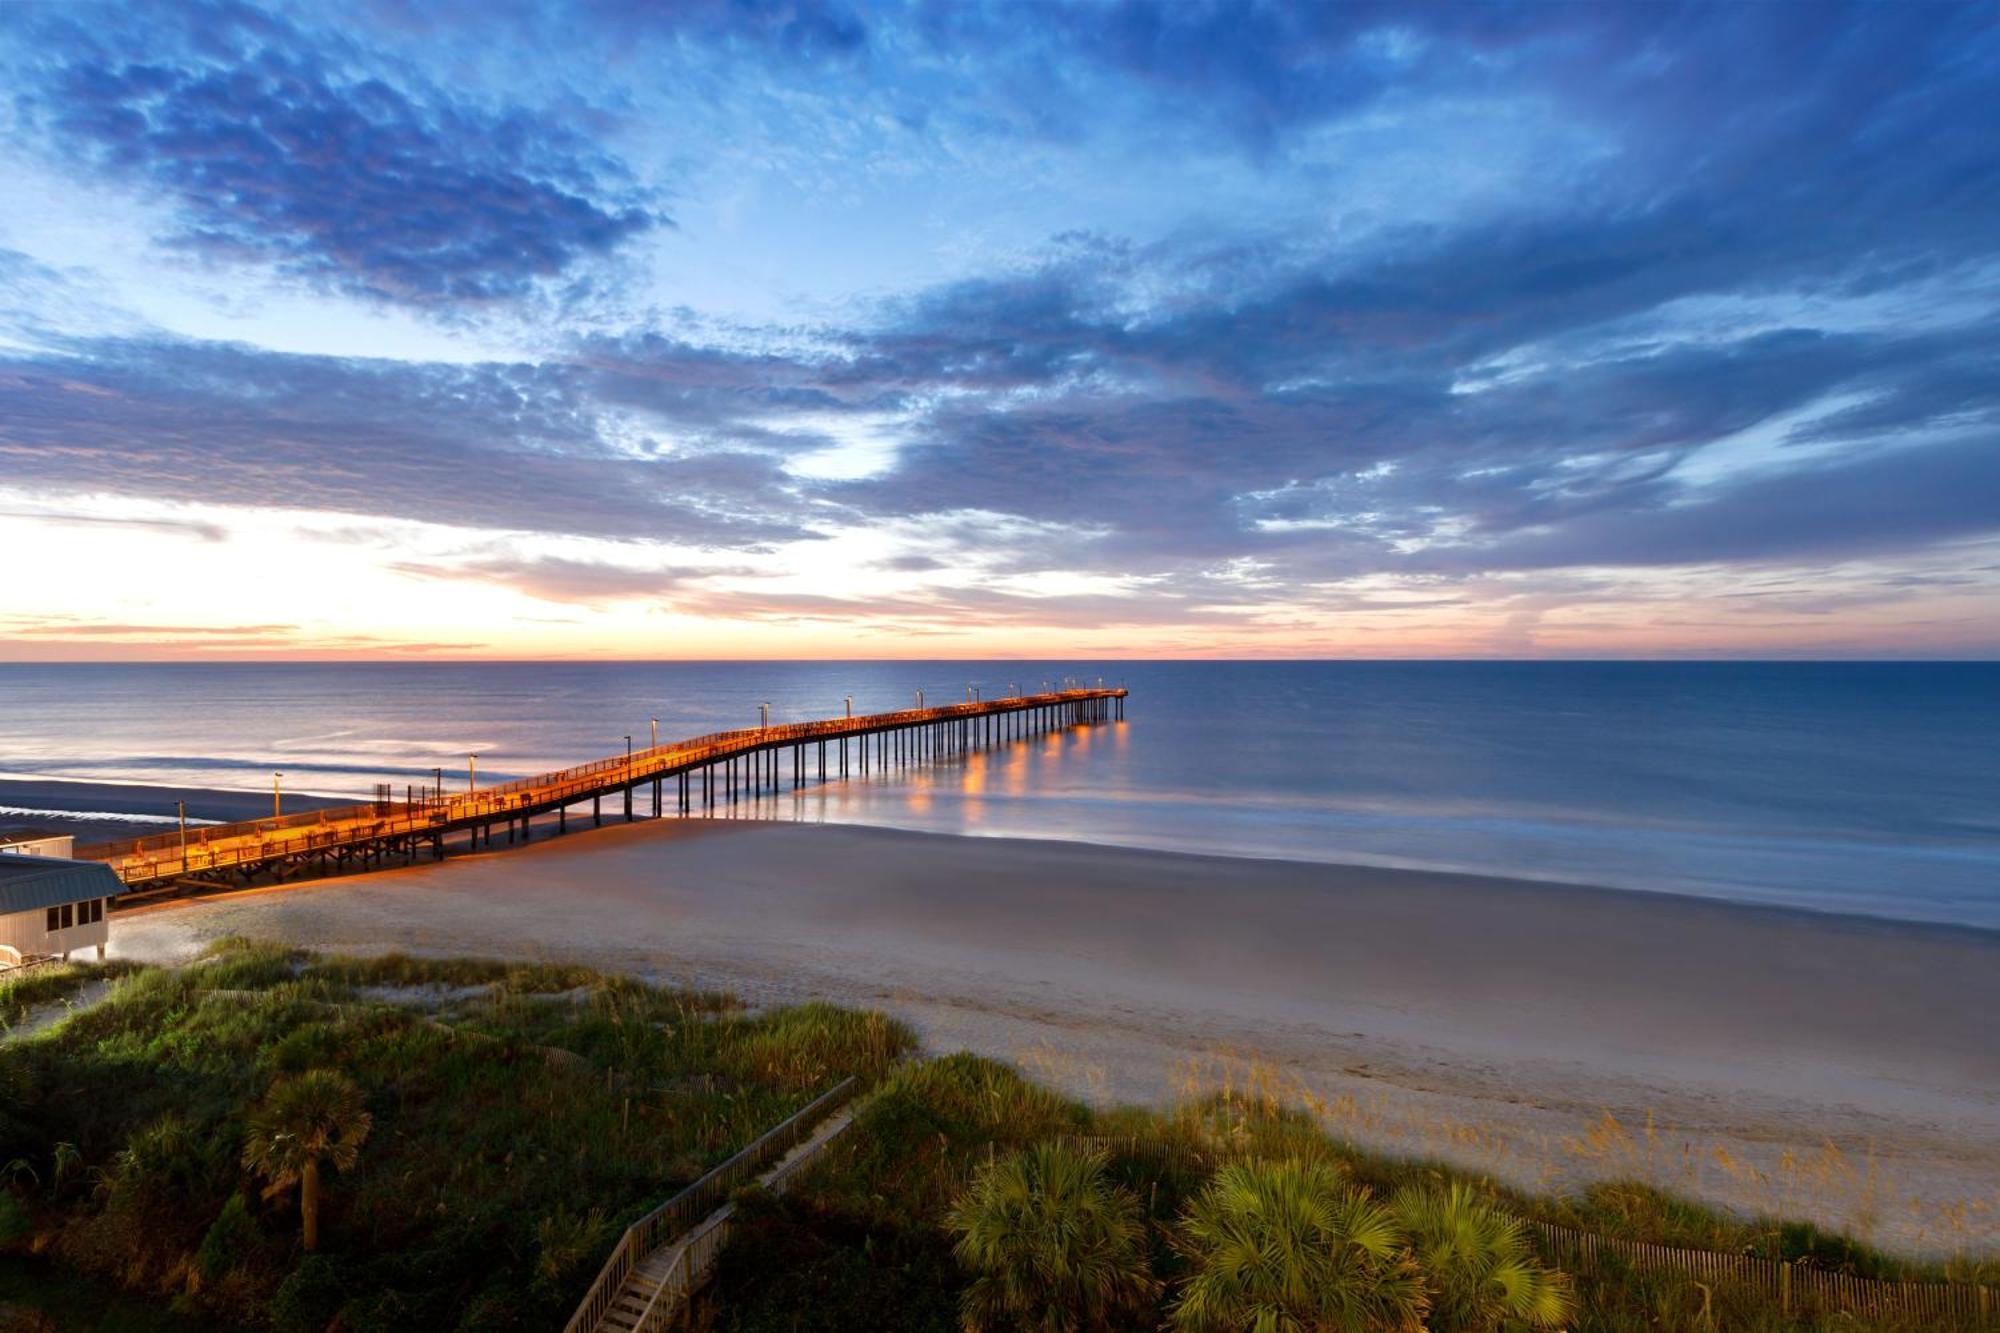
point(1835, 1067)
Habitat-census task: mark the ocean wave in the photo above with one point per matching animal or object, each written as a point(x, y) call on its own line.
point(103, 816)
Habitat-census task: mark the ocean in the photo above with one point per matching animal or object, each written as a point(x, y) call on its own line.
point(1864, 788)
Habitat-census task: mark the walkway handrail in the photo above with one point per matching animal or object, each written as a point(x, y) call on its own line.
point(696, 1202)
point(695, 1257)
point(653, 1303)
point(377, 818)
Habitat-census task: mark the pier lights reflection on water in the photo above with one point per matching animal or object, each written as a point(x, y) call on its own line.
point(1006, 790)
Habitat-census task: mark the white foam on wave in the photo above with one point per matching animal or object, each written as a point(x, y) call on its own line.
point(105, 816)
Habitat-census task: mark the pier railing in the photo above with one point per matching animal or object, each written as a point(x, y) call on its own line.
point(164, 856)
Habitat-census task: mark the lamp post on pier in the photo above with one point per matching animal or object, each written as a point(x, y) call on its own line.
point(850, 706)
point(764, 716)
point(439, 789)
point(181, 808)
point(471, 773)
point(277, 796)
point(920, 701)
point(656, 781)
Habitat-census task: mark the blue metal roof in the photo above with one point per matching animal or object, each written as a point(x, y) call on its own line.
point(28, 882)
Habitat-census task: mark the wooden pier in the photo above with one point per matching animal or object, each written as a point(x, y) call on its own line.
point(697, 777)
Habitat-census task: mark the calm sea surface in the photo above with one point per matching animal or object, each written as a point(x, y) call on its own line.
point(1870, 788)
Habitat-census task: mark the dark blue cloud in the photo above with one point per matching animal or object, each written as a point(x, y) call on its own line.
point(488, 446)
point(274, 147)
point(800, 29)
point(1839, 510)
point(1699, 88)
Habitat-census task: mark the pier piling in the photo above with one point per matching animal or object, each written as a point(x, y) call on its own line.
point(734, 765)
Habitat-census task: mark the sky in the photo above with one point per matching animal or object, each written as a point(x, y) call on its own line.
point(717, 329)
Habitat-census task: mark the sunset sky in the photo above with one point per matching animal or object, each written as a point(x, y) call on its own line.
point(769, 329)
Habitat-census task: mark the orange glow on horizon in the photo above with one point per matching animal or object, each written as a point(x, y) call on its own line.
point(137, 595)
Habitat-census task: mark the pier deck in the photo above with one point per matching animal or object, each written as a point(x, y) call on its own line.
point(705, 772)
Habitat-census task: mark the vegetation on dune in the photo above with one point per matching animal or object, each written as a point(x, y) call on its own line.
point(482, 1132)
point(22, 990)
point(1293, 1245)
point(317, 1119)
point(1480, 1268)
point(866, 1239)
point(519, 1117)
point(1053, 1245)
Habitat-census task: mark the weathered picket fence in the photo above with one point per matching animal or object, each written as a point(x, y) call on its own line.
point(1799, 1287)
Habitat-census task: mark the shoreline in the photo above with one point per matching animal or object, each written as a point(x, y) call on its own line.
point(1765, 1058)
point(106, 811)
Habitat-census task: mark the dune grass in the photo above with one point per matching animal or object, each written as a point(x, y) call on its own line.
point(523, 1114)
point(31, 1288)
point(521, 1119)
point(23, 990)
point(862, 1241)
point(1660, 1165)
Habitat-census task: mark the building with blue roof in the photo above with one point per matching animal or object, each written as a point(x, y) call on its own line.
point(50, 907)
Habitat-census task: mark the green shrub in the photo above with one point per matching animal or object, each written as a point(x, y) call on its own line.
point(309, 1297)
point(811, 1046)
point(15, 1221)
point(567, 1243)
point(793, 1267)
point(1292, 1244)
point(1479, 1265)
point(165, 1163)
point(231, 1240)
point(1051, 1245)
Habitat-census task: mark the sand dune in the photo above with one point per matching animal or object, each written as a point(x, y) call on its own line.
point(1836, 1066)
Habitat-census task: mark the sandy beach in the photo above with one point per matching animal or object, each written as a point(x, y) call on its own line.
point(1771, 1060)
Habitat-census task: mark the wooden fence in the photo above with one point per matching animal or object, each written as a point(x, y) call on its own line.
point(1797, 1287)
point(696, 1202)
point(1800, 1287)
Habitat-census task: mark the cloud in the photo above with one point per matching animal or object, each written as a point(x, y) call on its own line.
point(798, 29)
point(579, 582)
point(1909, 498)
point(69, 628)
point(74, 638)
point(486, 446)
point(275, 147)
point(177, 527)
point(1758, 323)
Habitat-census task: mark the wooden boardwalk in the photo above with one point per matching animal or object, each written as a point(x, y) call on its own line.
point(661, 1285)
point(704, 773)
point(665, 1256)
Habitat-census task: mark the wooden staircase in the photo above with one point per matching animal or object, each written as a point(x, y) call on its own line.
point(665, 1256)
point(660, 1284)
